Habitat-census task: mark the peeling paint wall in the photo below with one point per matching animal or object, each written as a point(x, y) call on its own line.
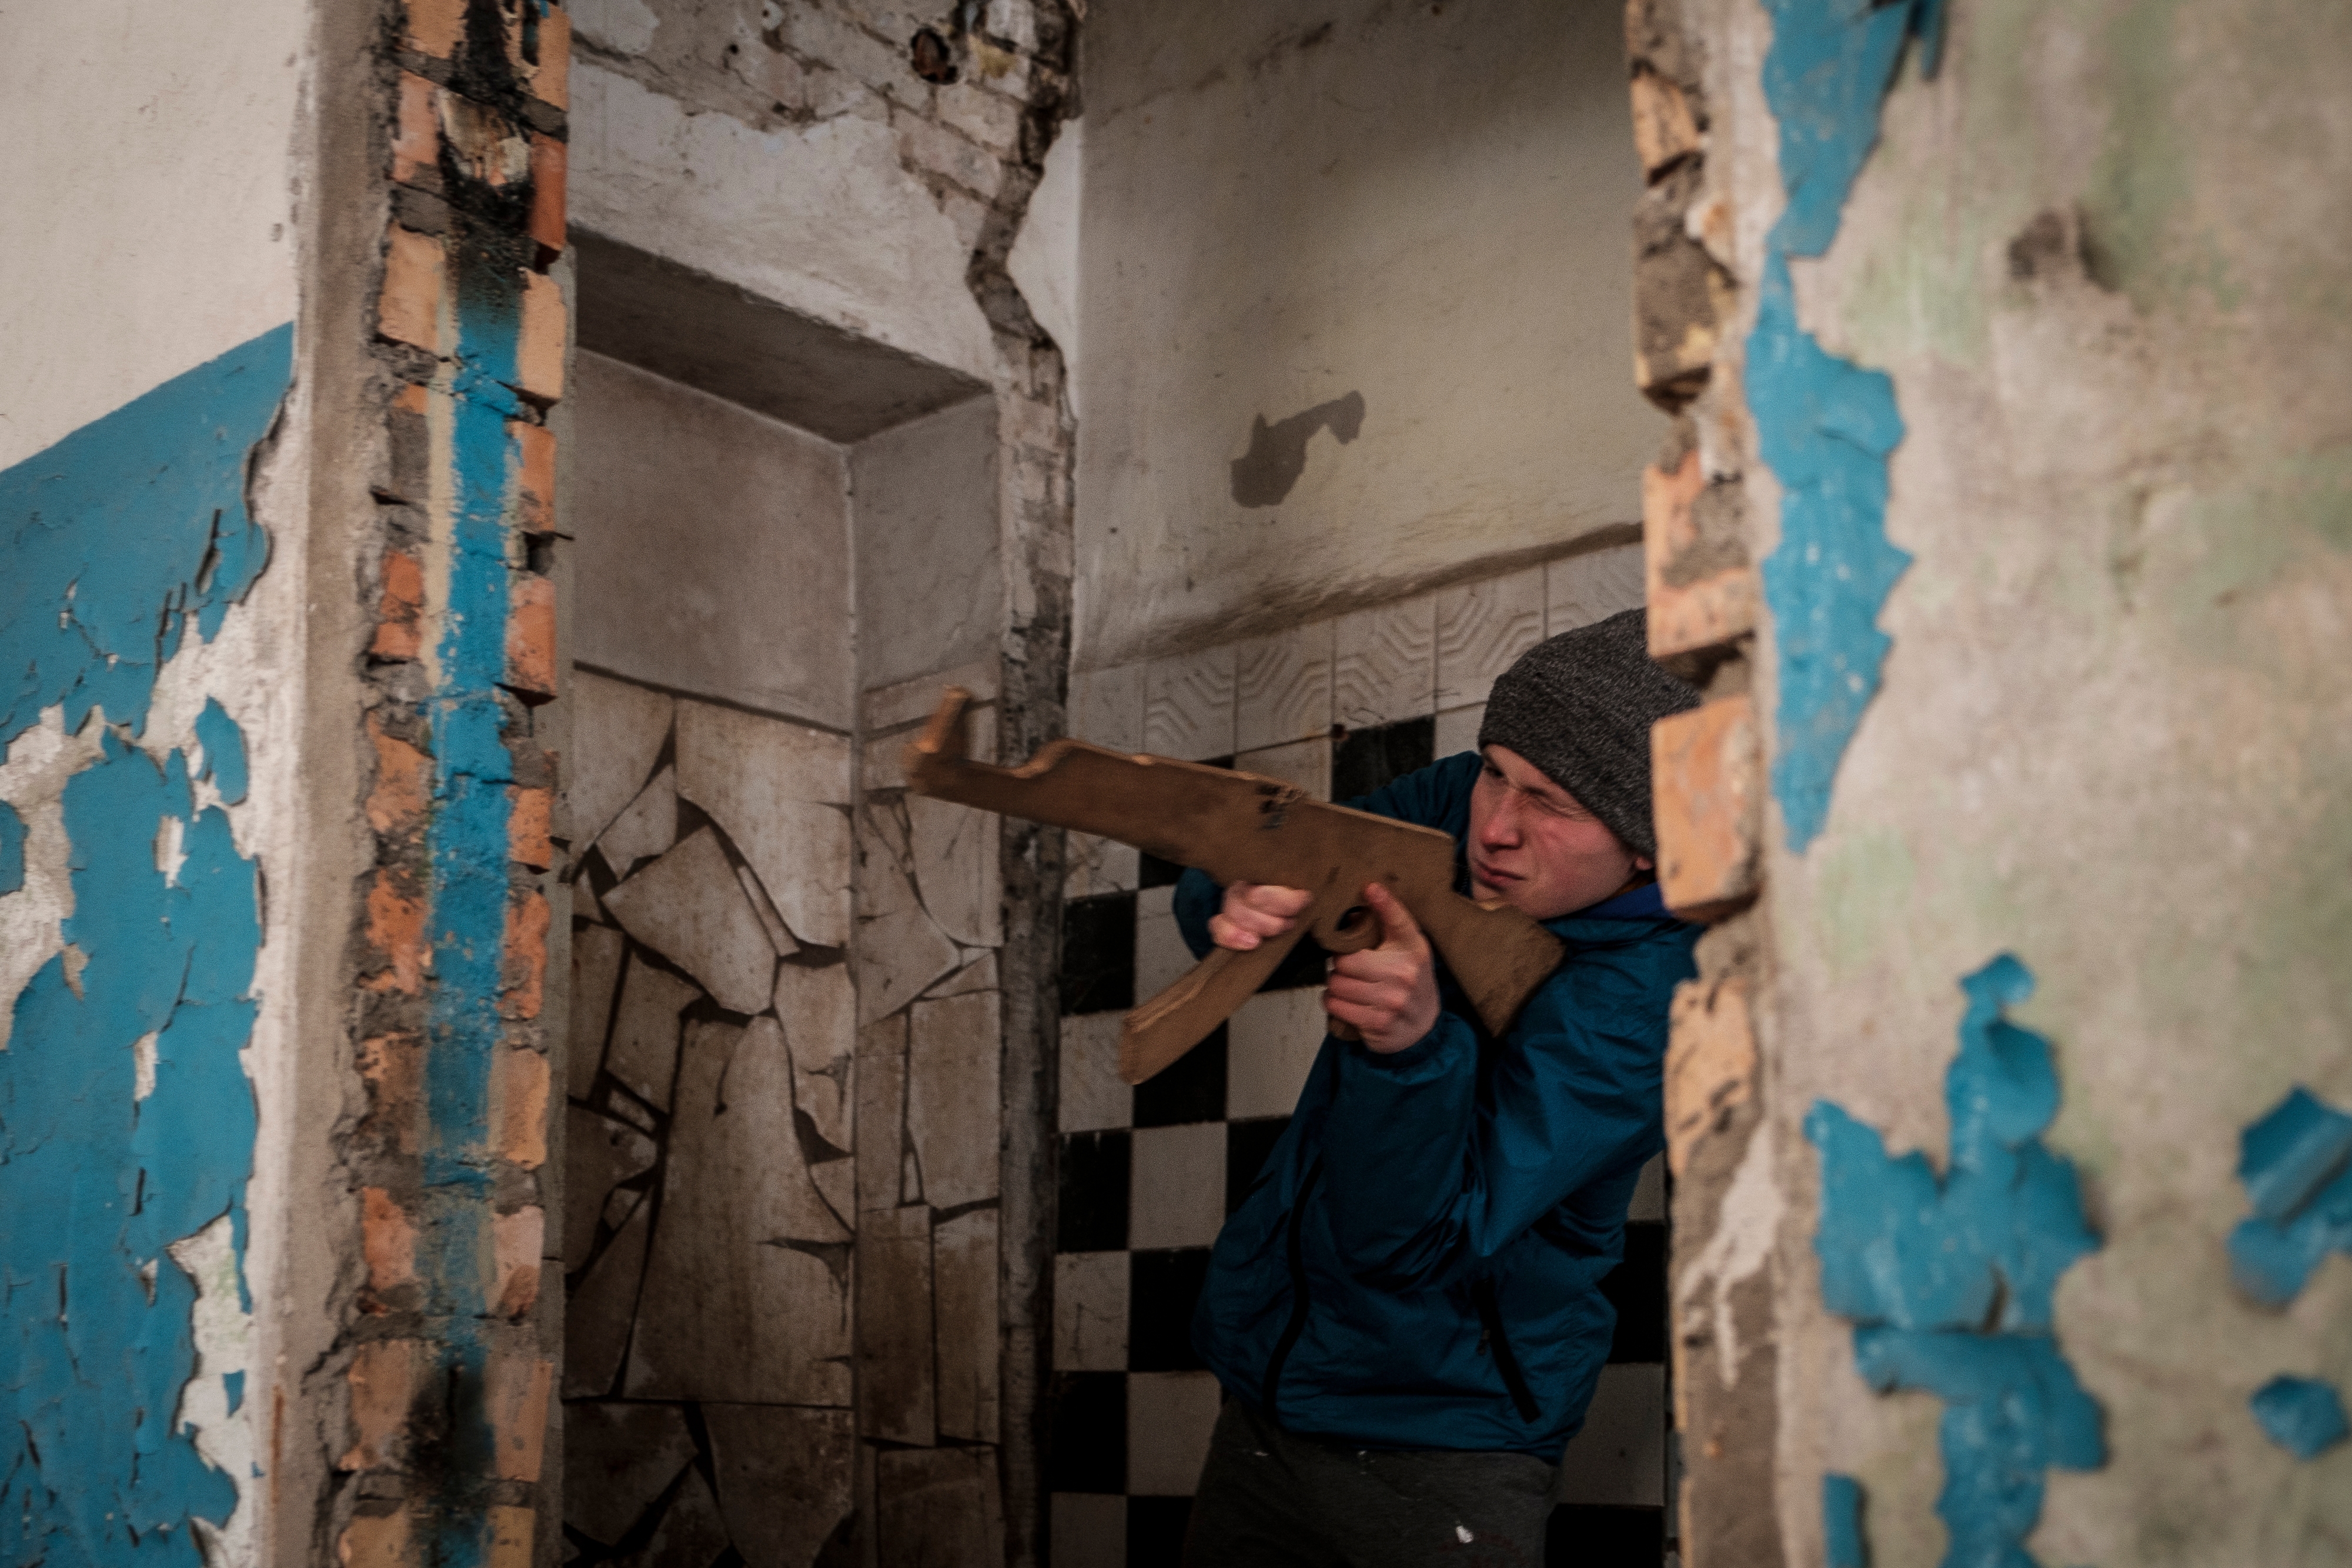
point(1352, 292)
point(2105, 738)
point(148, 437)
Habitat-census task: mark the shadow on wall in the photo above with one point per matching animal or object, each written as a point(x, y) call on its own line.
point(1277, 452)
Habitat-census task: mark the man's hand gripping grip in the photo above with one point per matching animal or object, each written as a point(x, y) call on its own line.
point(1242, 827)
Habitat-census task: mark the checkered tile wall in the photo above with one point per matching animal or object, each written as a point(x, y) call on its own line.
point(1149, 1174)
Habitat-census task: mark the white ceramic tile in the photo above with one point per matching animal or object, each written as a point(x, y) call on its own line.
point(1089, 1531)
point(1162, 958)
point(1620, 1455)
point(780, 792)
point(1106, 707)
point(818, 1008)
point(1093, 865)
point(730, 1311)
point(780, 935)
point(1592, 586)
point(917, 697)
point(955, 869)
point(690, 1530)
point(1482, 627)
point(1090, 1311)
point(894, 1354)
point(881, 1112)
point(618, 1458)
point(619, 1204)
point(598, 1316)
point(1458, 731)
point(643, 1052)
point(1305, 763)
point(1170, 1417)
point(901, 951)
point(937, 1505)
point(979, 975)
point(785, 1478)
point(689, 908)
point(1282, 686)
point(645, 828)
point(598, 1152)
point(1271, 1042)
point(954, 1048)
point(1649, 1195)
point(1384, 663)
point(883, 763)
point(617, 732)
point(1176, 1195)
point(1093, 1096)
point(1188, 706)
point(964, 1282)
point(596, 972)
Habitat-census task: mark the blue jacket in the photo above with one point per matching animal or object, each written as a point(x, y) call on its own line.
point(1419, 1264)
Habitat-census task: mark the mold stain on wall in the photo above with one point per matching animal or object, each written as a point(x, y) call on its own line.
point(126, 1117)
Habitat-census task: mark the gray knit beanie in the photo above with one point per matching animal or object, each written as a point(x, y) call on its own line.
point(1579, 706)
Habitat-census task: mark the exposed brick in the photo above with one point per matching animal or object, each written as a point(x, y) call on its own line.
point(377, 1541)
point(1680, 296)
point(387, 1240)
point(529, 823)
point(523, 976)
point(417, 133)
point(397, 631)
point(393, 1068)
point(548, 161)
point(488, 146)
point(539, 356)
point(383, 1382)
point(535, 480)
point(1707, 772)
point(411, 444)
point(1687, 612)
point(929, 146)
point(402, 775)
point(517, 1245)
point(1710, 1063)
point(989, 117)
point(511, 1528)
point(396, 933)
point(434, 26)
point(519, 1390)
point(530, 637)
point(1664, 129)
point(550, 81)
point(410, 309)
point(520, 1094)
point(1705, 615)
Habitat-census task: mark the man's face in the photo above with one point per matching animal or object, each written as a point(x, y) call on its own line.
point(1534, 847)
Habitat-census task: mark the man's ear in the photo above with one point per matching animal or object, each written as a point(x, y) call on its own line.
point(1644, 863)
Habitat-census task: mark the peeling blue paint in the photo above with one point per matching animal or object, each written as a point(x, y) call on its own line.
point(223, 751)
point(12, 849)
point(119, 540)
point(2301, 1414)
point(1824, 425)
point(2296, 1165)
point(1843, 1541)
point(1949, 1284)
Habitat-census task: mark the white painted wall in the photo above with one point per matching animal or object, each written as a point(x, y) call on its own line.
point(931, 591)
point(1285, 203)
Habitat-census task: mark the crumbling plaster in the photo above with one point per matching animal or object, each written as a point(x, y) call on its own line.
point(2112, 733)
point(1411, 214)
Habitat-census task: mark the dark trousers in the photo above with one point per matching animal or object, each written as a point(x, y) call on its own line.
point(1270, 1499)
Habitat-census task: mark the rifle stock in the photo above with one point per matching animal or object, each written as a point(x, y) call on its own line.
point(1240, 826)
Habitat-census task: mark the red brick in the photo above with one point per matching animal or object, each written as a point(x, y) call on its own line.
point(510, 1530)
point(529, 820)
point(398, 632)
point(403, 774)
point(1710, 1063)
point(397, 932)
point(377, 1541)
point(547, 176)
point(523, 980)
point(383, 1383)
point(409, 311)
point(539, 356)
point(520, 1092)
point(1663, 126)
point(518, 1244)
point(436, 26)
point(393, 1068)
point(531, 636)
point(1705, 778)
point(417, 132)
point(550, 79)
point(387, 1240)
point(519, 1390)
point(535, 481)
point(1687, 617)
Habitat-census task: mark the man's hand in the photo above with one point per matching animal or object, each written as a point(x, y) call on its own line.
point(1254, 911)
point(1388, 992)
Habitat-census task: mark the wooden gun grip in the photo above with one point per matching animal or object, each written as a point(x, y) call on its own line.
point(1181, 1017)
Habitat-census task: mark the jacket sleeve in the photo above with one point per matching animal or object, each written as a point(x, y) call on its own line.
point(1424, 1179)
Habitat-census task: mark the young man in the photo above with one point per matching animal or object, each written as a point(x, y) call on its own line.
point(1406, 1311)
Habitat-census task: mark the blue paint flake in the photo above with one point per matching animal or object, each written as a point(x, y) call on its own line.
point(2296, 1165)
point(1949, 1284)
point(2301, 1414)
point(1824, 425)
point(12, 849)
point(223, 751)
point(1843, 1544)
